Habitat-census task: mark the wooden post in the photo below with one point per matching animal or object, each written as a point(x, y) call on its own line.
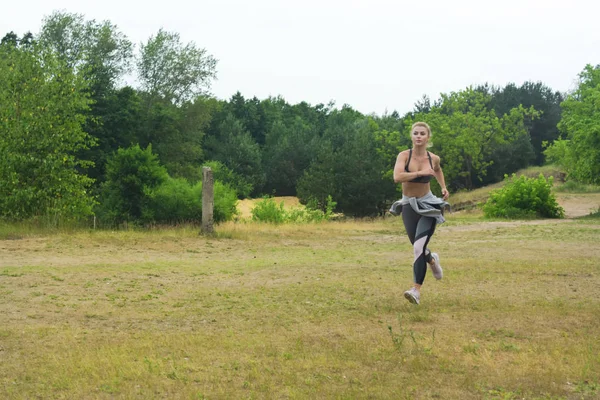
point(208, 200)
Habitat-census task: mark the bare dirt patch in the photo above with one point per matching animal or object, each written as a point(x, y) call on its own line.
point(578, 204)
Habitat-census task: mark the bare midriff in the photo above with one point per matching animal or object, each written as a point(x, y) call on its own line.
point(412, 189)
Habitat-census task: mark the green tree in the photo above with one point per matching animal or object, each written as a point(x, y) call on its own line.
point(251, 113)
point(116, 125)
point(42, 109)
point(97, 49)
point(579, 151)
point(541, 129)
point(176, 72)
point(388, 145)
point(348, 167)
point(234, 147)
point(101, 54)
point(466, 133)
point(131, 174)
point(288, 152)
point(182, 152)
point(11, 38)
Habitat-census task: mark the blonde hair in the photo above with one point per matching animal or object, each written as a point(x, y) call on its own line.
point(423, 124)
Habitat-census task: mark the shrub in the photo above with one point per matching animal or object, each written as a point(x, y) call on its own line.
point(139, 190)
point(267, 210)
point(523, 197)
point(176, 200)
point(130, 174)
point(226, 199)
point(172, 202)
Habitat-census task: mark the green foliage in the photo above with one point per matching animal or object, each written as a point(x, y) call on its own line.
point(234, 147)
point(467, 134)
point(251, 113)
point(114, 122)
point(541, 129)
point(138, 189)
point(225, 206)
point(388, 145)
point(131, 174)
point(177, 201)
point(267, 210)
point(523, 197)
point(42, 107)
point(173, 201)
point(288, 152)
point(348, 167)
point(176, 133)
point(225, 175)
point(579, 153)
point(98, 50)
point(328, 208)
point(172, 70)
point(102, 55)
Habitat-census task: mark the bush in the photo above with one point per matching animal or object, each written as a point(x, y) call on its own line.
point(139, 190)
point(172, 202)
point(523, 197)
point(130, 175)
point(225, 201)
point(227, 176)
point(268, 211)
point(177, 201)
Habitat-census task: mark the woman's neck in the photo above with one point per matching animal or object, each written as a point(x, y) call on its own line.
point(419, 151)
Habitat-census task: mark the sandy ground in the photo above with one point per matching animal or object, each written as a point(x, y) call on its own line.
point(245, 206)
point(575, 205)
point(578, 205)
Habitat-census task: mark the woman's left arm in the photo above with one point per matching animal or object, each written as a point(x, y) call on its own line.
point(439, 176)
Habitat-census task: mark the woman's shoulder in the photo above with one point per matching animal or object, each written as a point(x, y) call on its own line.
point(403, 153)
point(435, 160)
point(434, 156)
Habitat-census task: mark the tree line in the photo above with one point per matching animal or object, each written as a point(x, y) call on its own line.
point(76, 141)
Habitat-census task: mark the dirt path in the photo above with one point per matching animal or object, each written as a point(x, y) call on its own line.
point(579, 204)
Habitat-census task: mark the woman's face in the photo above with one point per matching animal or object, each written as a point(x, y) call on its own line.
point(420, 136)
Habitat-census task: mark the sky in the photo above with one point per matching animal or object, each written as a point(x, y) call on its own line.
point(374, 55)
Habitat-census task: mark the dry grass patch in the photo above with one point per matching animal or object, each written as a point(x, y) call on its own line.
point(302, 311)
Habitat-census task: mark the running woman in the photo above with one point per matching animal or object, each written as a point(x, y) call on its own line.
point(421, 210)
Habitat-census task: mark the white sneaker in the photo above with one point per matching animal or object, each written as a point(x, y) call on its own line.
point(436, 268)
point(413, 295)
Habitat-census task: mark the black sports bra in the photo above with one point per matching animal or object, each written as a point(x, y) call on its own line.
point(419, 179)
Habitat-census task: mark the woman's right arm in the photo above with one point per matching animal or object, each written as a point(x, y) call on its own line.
point(400, 175)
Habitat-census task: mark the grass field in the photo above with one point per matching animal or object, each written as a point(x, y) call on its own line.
point(302, 312)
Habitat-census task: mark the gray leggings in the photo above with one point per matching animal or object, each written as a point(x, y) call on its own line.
point(420, 230)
